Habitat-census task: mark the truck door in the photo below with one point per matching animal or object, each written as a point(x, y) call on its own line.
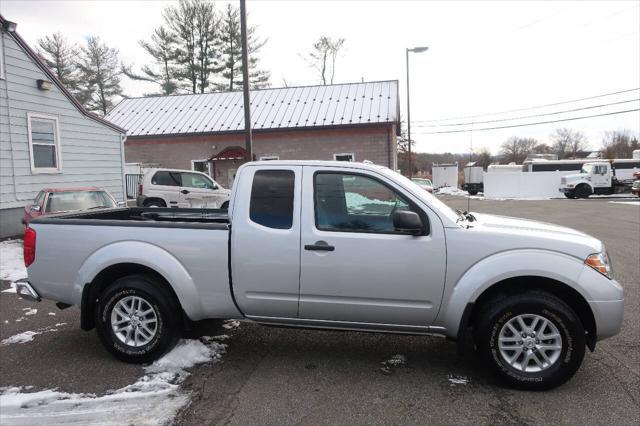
point(601, 177)
point(355, 267)
point(265, 241)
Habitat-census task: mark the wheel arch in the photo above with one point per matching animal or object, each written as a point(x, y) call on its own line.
point(134, 257)
point(149, 200)
point(92, 290)
point(517, 271)
point(521, 284)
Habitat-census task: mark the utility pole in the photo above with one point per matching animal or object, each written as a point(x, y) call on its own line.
point(248, 142)
point(415, 50)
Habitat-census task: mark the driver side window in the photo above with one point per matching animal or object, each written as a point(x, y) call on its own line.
point(355, 203)
point(192, 180)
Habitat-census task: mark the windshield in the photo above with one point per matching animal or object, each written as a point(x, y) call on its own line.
point(78, 200)
point(587, 168)
point(430, 199)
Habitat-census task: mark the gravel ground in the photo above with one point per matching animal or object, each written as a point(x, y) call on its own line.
point(285, 376)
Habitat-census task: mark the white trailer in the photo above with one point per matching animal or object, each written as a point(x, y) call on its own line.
point(473, 178)
point(445, 175)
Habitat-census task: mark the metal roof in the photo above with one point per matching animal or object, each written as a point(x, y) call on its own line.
point(278, 108)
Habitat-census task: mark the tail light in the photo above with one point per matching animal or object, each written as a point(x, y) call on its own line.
point(140, 188)
point(29, 246)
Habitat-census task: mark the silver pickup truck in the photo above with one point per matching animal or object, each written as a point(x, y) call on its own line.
point(333, 245)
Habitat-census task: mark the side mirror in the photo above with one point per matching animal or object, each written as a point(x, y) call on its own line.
point(122, 204)
point(407, 221)
point(35, 208)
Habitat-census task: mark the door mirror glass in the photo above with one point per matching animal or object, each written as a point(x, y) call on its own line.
point(407, 221)
point(35, 208)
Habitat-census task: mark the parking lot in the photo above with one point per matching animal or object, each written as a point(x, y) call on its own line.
point(290, 376)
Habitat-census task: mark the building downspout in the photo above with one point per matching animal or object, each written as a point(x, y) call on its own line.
point(389, 150)
point(123, 139)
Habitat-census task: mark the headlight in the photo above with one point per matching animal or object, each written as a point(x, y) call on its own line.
point(600, 262)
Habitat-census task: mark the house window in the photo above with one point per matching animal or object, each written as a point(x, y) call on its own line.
point(346, 156)
point(44, 144)
point(269, 157)
point(201, 166)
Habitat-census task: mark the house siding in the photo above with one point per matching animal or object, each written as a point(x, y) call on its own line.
point(90, 152)
point(375, 143)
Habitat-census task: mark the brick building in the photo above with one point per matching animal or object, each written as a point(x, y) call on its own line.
point(205, 132)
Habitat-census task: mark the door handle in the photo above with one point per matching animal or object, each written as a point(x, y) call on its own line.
point(319, 246)
point(184, 191)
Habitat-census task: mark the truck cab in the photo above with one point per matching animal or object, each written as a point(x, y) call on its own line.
point(594, 178)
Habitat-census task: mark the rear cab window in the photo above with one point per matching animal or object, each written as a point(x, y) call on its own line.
point(271, 202)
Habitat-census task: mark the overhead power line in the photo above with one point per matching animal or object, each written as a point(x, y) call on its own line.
point(528, 108)
point(529, 124)
point(528, 116)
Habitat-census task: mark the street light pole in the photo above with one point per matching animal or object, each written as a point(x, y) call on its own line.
point(245, 84)
point(415, 50)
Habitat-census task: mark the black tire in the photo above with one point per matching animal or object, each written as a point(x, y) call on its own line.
point(155, 203)
point(473, 192)
point(166, 309)
point(225, 205)
point(582, 191)
point(496, 313)
point(570, 195)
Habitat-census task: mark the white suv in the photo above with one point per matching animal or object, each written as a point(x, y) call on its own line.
point(180, 188)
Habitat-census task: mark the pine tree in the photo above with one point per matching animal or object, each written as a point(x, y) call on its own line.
point(194, 25)
point(231, 43)
point(60, 55)
point(164, 72)
point(100, 80)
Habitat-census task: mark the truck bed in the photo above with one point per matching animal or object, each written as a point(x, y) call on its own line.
point(143, 217)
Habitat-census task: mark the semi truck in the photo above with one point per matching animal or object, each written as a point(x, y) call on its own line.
point(601, 177)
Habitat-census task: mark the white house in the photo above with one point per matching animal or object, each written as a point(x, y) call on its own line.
point(47, 138)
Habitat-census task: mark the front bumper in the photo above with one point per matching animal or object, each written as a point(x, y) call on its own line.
point(565, 190)
point(26, 291)
point(608, 315)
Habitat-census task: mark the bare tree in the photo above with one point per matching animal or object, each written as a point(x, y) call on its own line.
point(568, 142)
point(100, 80)
point(164, 71)
point(483, 159)
point(619, 144)
point(516, 149)
point(323, 57)
point(60, 56)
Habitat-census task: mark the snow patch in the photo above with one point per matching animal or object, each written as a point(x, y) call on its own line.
point(30, 311)
point(397, 360)
point(53, 314)
point(24, 337)
point(12, 263)
point(231, 324)
point(152, 400)
point(27, 336)
point(457, 380)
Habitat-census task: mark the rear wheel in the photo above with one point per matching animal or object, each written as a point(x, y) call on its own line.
point(473, 192)
point(137, 320)
point(531, 341)
point(583, 191)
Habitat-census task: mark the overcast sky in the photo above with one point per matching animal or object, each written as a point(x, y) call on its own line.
point(484, 57)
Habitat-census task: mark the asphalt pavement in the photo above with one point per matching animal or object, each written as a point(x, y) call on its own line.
point(290, 376)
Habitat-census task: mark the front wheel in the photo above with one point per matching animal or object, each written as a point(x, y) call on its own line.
point(137, 320)
point(570, 195)
point(531, 341)
point(583, 191)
